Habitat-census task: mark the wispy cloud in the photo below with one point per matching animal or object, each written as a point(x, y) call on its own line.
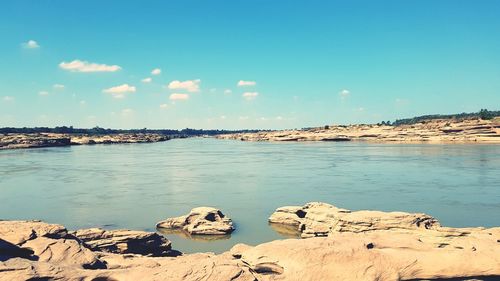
point(344, 93)
point(163, 106)
point(250, 95)
point(177, 96)
point(228, 92)
point(147, 80)
point(58, 86)
point(119, 92)
point(31, 44)
point(156, 71)
point(85, 66)
point(43, 93)
point(127, 112)
point(243, 83)
point(8, 98)
point(188, 85)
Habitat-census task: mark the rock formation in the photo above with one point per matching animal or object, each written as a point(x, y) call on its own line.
point(431, 131)
point(200, 221)
point(125, 241)
point(321, 219)
point(364, 245)
point(12, 141)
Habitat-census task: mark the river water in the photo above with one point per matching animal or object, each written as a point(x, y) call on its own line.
point(134, 186)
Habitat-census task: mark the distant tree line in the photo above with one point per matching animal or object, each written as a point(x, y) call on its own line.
point(102, 131)
point(482, 114)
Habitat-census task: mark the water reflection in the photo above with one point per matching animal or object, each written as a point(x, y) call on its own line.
point(202, 238)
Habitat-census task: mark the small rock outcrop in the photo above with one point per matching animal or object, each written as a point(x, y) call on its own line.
point(125, 242)
point(320, 219)
point(200, 221)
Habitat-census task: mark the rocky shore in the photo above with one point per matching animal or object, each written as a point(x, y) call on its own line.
point(15, 141)
point(431, 131)
point(339, 245)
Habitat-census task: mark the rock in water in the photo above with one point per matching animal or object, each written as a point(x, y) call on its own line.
point(125, 242)
point(321, 219)
point(382, 251)
point(200, 221)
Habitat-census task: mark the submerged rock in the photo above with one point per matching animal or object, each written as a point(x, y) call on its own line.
point(125, 242)
point(322, 219)
point(200, 221)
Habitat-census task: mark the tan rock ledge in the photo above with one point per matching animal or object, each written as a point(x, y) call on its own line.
point(371, 248)
point(200, 221)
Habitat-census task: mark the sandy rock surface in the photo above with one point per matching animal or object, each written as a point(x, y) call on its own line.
point(200, 221)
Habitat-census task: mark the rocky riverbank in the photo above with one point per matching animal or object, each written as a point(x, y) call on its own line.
point(343, 245)
point(14, 141)
point(431, 131)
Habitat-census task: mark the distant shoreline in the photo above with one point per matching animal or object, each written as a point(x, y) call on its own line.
point(474, 130)
point(40, 140)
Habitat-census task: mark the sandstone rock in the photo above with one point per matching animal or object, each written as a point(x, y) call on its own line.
point(412, 251)
point(200, 221)
point(125, 241)
point(18, 232)
point(321, 219)
point(435, 131)
point(9, 250)
point(64, 252)
point(13, 141)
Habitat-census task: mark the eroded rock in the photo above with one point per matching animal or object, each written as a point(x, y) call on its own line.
point(200, 221)
point(415, 250)
point(321, 219)
point(125, 241)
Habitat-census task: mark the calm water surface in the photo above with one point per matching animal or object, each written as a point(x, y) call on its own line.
point(136, 185)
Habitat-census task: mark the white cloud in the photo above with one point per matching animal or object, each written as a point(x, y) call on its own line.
point(43, 93)
point(360, 109)
point(119, 92)
point(344, 93)
point(279, 118)
point(177, 96)
point(147, 80)
point(213, 90)
point(163, 106)
point(58, 86)
point(82, 102)
point(243, 118)
point(223, 117)
point(188, 85)
point(401, 102)
point(31, 44)
point(243, 83)
point(85, 66)
point(8, 98)
point(156, 71)
point(227, 92)
point(250, 95)
point(127, 112)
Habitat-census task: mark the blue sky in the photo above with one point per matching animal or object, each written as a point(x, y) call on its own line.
point(300, 63)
